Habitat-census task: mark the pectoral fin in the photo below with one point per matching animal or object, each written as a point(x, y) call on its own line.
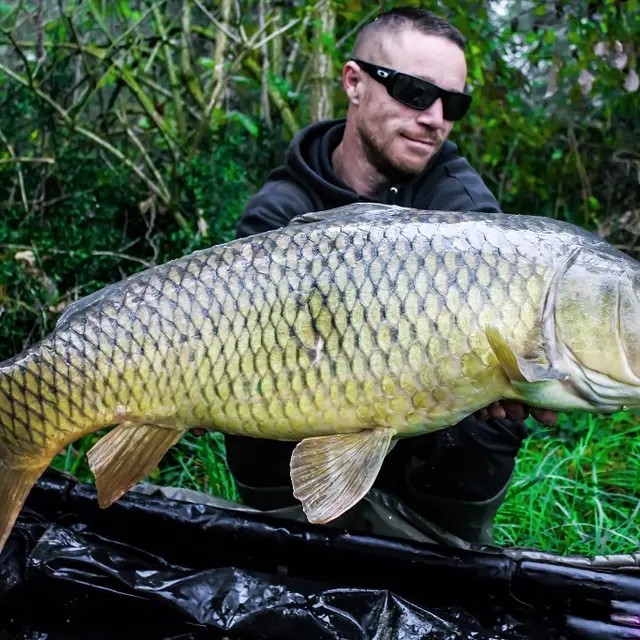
point(535, 384)
point(127, 455)
point(330, 474)
point(520, 369)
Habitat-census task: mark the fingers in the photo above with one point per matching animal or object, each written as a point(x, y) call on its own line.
point(197, 431)
point(494, 410)
point(497, 410)
point(516, 410)
point(546, 417)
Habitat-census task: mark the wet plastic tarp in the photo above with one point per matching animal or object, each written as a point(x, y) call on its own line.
point(164, 563)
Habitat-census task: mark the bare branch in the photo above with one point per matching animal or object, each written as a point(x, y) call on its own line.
point(26, 160)
point(173, 76)
point(88, 71)
point(264, 93)
point(221, 40)
point(40, 50)
point(13, 15)
point(295, 49)
point(88, 134)
point(280, 31)
point(190, 78)
point(66, 252)
point(322, 64)
point(224, 26)
point(147, 158)
point(12, 153)
point(276, 97)
point(122, 256)
point(277, 44)
point(20, 52)
point(357, 27)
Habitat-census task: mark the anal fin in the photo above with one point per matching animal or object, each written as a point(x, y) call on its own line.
point(330, 474)
point(127, 455)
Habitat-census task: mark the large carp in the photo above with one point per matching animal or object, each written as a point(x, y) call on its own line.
point(344, 331)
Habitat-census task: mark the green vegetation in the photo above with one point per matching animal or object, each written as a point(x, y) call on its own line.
point(132, 133)
point(576, 489)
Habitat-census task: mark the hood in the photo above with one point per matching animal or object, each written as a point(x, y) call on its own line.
point(309, 159)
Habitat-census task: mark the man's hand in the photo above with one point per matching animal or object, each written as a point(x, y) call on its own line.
point(518, 412)
point(198, 431)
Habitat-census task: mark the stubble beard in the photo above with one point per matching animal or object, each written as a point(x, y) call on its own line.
point(378, 158)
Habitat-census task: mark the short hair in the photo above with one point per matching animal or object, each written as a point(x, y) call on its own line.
point(400, 18)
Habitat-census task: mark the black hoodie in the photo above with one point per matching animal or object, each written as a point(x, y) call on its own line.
point(467, 467)
point(307, 182)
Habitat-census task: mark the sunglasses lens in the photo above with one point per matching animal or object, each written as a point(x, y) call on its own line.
point(414, 93)
point(455, 106)
point(421, 95)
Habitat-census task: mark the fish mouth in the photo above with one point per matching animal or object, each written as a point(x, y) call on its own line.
point(599, 390)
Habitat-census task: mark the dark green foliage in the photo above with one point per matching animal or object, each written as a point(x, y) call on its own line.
point(543, 143)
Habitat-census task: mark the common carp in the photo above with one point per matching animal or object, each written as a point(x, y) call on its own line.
point(343, 331)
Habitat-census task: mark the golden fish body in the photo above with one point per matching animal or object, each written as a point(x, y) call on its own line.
point(345, 330)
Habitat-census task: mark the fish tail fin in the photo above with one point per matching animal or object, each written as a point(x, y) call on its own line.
point(36, 422)
point(15, 484)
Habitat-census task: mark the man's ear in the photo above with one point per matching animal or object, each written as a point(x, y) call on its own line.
point(353, 82)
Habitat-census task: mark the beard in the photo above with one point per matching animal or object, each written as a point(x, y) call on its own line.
point(378, 157)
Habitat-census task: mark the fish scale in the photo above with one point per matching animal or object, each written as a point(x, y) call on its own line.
point(296, 326)
point(366, 323)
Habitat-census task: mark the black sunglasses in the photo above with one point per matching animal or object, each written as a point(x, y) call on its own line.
point(417, 93)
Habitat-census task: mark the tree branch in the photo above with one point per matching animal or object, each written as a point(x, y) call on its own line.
point(88, 134)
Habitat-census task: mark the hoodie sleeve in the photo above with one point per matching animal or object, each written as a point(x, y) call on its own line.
point(273, 206)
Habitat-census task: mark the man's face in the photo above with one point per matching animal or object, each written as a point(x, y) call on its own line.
point(399, 140)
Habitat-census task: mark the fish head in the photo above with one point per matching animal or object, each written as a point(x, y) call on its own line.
point(597, 328)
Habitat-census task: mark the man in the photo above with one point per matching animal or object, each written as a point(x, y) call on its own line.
point(393, 148)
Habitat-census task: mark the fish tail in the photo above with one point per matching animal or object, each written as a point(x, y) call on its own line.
point(27, 444)
point(15, 484)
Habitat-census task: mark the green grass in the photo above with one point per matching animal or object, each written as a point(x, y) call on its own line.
point(576, 489)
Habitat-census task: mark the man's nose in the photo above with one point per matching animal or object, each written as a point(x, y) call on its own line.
point(433, 116)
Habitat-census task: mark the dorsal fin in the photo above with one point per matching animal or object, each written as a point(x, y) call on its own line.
point(348, 212)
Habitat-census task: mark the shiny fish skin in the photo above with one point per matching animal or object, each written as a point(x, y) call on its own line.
point(364, 317)
point(313, 329)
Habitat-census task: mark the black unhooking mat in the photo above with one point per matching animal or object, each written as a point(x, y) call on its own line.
point(156, 567)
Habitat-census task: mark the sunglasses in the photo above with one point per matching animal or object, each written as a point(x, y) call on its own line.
point(416, 93)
